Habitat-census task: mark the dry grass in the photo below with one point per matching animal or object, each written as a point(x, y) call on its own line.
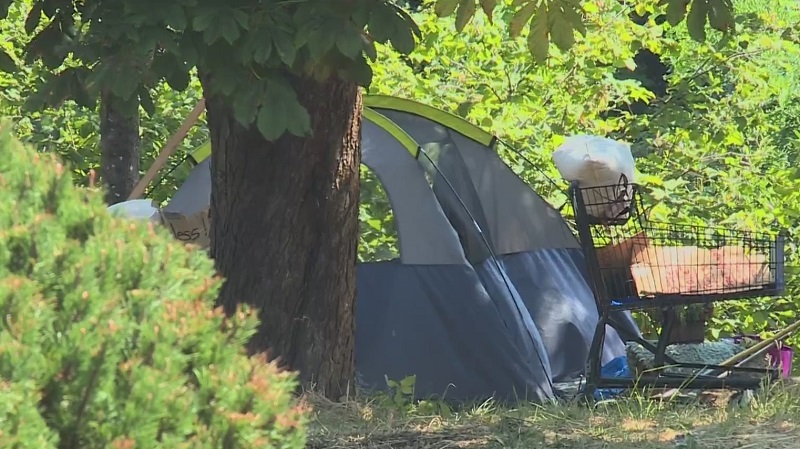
point(770, 421)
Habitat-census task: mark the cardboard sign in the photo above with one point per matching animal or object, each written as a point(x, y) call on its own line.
point(189, 229)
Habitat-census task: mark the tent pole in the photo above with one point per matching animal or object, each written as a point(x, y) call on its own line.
point(168, 149)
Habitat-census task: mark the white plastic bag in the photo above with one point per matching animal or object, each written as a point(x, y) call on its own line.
point(136, 209)
point(595, 161)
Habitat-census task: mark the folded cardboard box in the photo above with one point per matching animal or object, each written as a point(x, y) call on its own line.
point(636, 267)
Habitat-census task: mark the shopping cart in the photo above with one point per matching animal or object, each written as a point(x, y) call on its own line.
point(638, 264)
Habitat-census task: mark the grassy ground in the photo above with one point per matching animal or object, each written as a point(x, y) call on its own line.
point(771, 420)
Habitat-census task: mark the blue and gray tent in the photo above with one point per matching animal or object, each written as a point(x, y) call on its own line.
point(489, 295)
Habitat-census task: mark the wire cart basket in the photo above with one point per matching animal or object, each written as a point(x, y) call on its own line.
point(637, 264)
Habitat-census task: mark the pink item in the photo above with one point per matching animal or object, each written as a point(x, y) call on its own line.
point(780, 355)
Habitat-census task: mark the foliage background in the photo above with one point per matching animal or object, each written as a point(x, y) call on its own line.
point(73, 131)
point(718, 145)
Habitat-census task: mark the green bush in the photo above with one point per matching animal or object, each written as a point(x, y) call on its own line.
point(108, 335)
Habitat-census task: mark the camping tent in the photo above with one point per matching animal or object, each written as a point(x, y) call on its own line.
point(489, 294)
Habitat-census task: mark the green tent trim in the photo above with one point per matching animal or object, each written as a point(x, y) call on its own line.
point(372, 102)
point(439, 116)
point(392, 128)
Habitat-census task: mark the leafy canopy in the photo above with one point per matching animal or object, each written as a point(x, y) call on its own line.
point(250, 51)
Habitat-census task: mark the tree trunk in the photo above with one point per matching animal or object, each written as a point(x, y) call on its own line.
point(284, 226)
point(119, 147)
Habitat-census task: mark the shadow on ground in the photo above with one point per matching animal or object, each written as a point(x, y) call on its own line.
point(526, 437)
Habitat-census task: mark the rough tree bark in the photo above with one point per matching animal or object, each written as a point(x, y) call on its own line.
point(119, 148)
point(284, 226)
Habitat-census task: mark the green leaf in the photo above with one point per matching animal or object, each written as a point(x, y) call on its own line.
point(7, 63)
point(574, 15)
point(360, 15)
point(49, 45)
point(298, 120)
point(521, 17)
point(281, 112)
point(270, 122)
point(407, 20)
point(673, 184)
point(177, 75)
point(379, 27)
point(538, 37)
point(488, 7)
point(676, 11)
point(466, 10)
point(248, 99)
point(146, 100)
point(34, 18)
point(403, 40)
point(591, 8)
point(213, 34)
point(124, 83)
point(464, 108)
point(445, 8)
point(80, 93)
point(242, 19)
point(263, 51)
point(630, 64)
point(358, 71)
point(173, 15)
point(349, 42)
point(696, 20)
point(562, 35)
point(285, 46)
point(322, 40)
point(203, 21)
point(407, 383)
point(369, 49)
point(720, 15)
point(229, 29)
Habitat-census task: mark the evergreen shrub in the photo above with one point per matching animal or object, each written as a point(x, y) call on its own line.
point(108, 333)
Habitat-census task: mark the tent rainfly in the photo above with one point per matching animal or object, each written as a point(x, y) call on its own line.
point(489, 296)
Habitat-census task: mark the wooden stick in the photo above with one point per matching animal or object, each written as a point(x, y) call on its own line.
point(744, 356)
point(168, 149)
point(758, 347)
